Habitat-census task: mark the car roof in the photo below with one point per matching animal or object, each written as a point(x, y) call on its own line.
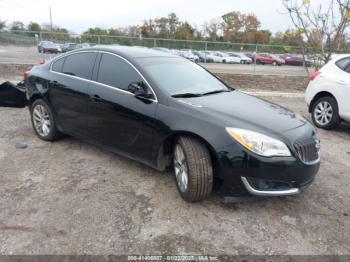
point(131, 52)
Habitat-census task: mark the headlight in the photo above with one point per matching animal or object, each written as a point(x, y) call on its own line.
point(258, 143)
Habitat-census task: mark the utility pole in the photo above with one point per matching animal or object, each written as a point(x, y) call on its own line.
point(50, 19)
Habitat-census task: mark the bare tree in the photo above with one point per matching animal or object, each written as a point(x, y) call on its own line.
point(212, 29)
point(323, 28)
point(2, 25)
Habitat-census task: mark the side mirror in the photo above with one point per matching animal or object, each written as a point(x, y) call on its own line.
point(139, 90)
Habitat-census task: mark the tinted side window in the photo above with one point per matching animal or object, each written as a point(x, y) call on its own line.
point(80, 65)
point(57, 66)
point(114, 71)
point(344, 63)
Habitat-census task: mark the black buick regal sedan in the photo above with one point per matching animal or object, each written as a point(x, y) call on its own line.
point(166, 111)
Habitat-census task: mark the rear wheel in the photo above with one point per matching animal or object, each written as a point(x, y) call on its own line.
point(242, 62)
point(325, 113)
point(274, 63)
point(193, 169)
point(43, 121)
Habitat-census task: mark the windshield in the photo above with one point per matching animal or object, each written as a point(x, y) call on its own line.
point(179, 76)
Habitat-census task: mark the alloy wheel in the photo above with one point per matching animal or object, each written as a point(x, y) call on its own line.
point(323, 113)
point(181, 169)
point(41, 120)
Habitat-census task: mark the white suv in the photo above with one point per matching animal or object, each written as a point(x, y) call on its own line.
point(328, 93)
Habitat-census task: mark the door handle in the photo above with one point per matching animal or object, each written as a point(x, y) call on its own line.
point(341, 82)
point(96, 99)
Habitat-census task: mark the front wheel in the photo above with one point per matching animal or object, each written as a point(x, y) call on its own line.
point(43, 121)
point(325, 113)
point(193, 169)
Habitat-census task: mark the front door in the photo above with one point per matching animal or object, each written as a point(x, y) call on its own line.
point(117, 119)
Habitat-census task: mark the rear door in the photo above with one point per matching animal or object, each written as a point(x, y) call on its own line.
point(12, 95)
point(343, 87)
point(71, 76)
point(117, 119)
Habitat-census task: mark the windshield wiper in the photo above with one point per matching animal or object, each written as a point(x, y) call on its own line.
point(215, 92)
point(187, 95)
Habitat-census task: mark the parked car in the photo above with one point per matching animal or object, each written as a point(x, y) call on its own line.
point(225, 58)
point(189, 55)
point(216, 59)
point(265, 58)
point(166, 111)
point(68, 47)
point(72, 46)
point(49, 47)
point(243, 59)
point(204, 57)
point(328, 93)
point(294, 60)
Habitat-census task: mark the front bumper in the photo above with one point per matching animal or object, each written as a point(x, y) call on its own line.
point(280, 176)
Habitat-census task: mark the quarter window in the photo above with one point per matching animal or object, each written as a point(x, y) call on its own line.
point(344, 64)
point(80, 65)
point(57, 65)
point(115, 72)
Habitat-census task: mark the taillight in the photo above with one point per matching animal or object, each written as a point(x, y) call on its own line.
point(41, 62)
point(26, 75)
point(314, 75)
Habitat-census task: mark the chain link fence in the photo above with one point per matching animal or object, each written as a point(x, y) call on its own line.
point(22, 47)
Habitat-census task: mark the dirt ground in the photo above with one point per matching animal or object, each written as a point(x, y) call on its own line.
point(70, 197)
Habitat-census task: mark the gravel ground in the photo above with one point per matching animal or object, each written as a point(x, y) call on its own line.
point(70, 197)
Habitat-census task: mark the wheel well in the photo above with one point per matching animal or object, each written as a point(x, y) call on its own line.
point(319, 95)
point(33, 98)
point(166, 150)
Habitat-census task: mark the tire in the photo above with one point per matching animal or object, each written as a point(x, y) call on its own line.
point(332, 112)
point(41, 112)
point(242, 62)
point(274, 63)
point(224, 61)
point(198, 167)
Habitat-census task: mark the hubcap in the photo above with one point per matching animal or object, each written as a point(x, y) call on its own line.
point(41, 119)
point(180, 167)
point(323, 113)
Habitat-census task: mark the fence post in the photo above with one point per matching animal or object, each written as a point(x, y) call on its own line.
point(98, 40)
point(154, 42)
point(256, 52)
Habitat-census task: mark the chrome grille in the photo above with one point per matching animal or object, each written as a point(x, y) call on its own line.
point(308, 150)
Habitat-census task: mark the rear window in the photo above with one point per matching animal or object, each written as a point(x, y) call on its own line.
point(344, 64)
point(58, 65)
point(80, 64)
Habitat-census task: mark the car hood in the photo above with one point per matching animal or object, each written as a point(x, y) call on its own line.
point(236, 109)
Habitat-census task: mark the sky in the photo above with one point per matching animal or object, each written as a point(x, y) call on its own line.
point(79, 15)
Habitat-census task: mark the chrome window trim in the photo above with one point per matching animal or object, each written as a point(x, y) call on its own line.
point(253, 191)
point(95, 82)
